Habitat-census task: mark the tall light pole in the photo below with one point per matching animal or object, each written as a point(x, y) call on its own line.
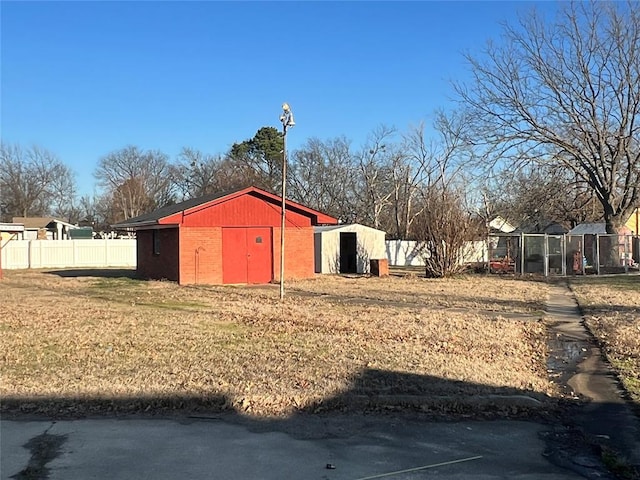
point(287, 121)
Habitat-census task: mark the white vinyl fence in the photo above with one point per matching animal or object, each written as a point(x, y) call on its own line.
point(18, 254)
point(404, 253)
point(407, 253)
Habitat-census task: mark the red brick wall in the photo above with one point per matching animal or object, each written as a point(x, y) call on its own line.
point(298, 253)
point(200, 255)
point(164, 265)
point(200, 252)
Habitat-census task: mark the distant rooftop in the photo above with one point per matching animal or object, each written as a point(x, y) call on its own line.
point(589, 229)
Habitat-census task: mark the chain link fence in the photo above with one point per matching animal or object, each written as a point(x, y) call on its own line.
point(562, 255)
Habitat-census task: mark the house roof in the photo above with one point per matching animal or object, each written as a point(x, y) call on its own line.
point(589, 229)
point(549, 227)
point(11, 227)
point(39, 222)
point(346, 226)
point(501, 225)
point(599, 228)
point(154, 218)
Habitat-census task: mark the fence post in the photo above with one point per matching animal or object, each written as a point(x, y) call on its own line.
point(563, 253)
point(522, 236)
point(597, 259)
point(546, 255)
point(626, 254)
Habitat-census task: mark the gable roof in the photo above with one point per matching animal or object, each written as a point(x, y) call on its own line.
point(155, 217)
point(39, 222)
point(599, 228)
point(501, 225)
point(345, 226)
point(548, 227)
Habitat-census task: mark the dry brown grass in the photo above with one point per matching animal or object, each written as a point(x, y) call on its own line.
point(132, 344)
point(472, 292)
point(612, 311)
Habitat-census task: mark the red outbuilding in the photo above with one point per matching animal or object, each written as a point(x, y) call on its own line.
point(232, 237)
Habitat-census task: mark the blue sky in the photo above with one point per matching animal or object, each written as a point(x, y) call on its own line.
point(82, 79)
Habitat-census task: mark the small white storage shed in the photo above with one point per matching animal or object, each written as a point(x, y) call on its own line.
point(347, 248)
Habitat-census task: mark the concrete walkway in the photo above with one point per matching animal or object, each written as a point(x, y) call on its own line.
point(606, 419)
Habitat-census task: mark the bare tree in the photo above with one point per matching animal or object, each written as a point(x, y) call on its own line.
point(566, 93)
point(33, 182)
point(63, 203)
point(538, 196)
point(136, 181)
point(197, 173)
point(443, 228)
point(422, 163)
point(375, 167)
point(324, 176)
point(438, 216)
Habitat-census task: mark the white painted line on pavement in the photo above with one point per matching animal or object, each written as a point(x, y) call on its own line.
point(420, 468)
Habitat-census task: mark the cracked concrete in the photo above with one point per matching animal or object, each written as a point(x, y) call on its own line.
point(356, 446)
point(606, 418)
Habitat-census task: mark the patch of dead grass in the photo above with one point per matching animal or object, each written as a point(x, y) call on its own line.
point(239, 347)
point(612, 311)
point(472, 292)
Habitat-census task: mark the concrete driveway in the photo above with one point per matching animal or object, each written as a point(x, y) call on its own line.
point(332, 447)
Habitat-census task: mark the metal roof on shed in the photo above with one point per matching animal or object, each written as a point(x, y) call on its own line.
point(346, 226)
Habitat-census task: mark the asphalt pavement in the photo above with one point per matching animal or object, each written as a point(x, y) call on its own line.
point(332, 447)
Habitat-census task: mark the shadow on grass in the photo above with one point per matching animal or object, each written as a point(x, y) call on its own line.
point(370, 390)
point(96, 272)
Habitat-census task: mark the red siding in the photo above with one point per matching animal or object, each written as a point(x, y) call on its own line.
point(246, 210)
point(164, 265)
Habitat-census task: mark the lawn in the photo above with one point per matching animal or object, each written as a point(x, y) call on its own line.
point(612, 311)
point(92, 344)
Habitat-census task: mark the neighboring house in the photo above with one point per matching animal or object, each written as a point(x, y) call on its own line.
point(8, 232)
point(542, 227)
point(347, 248)
point(232, 237)
point(500, 225)
point(599, 228)
point(11, 231)
point(44, 228)
point(633, 223)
